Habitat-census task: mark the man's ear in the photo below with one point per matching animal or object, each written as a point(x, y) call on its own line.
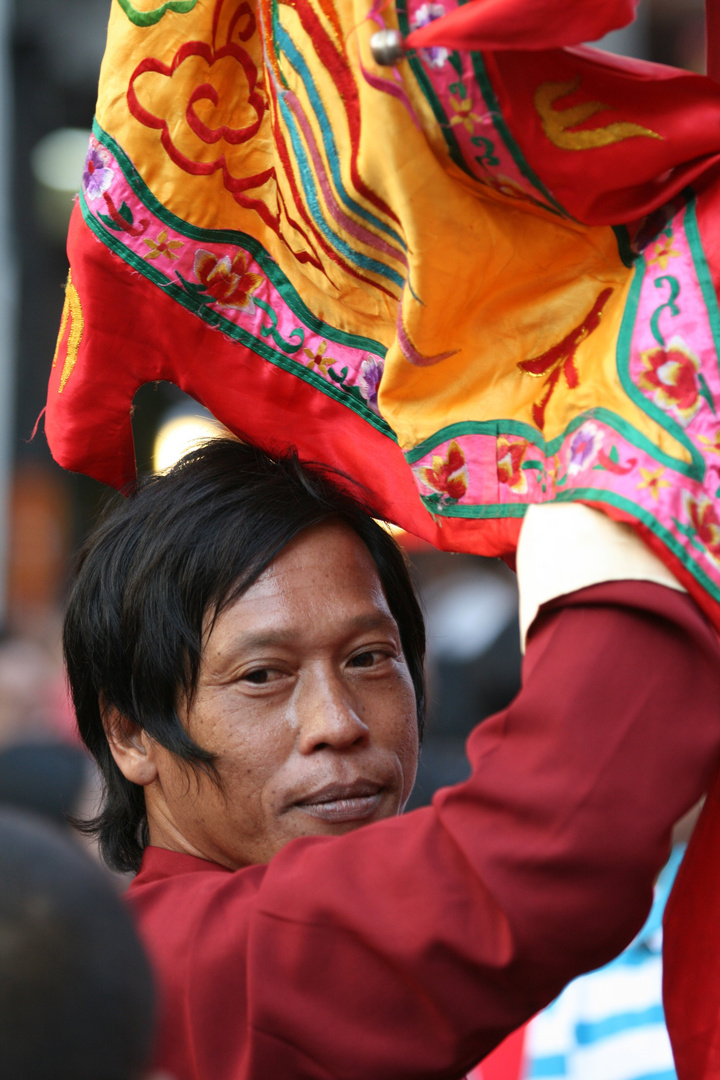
point(130, 746)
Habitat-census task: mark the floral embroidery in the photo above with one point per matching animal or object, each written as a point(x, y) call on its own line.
point(653, 482)
point(463, 115)
point(713, 445)
point(227, 281)
point(584, 448)
point(371, 372)
point(162, 246)
point(611, 462)
point(97, 177)
point(448, 476)
point(706, 524)
point(510, 457)
point(670, 374)
point(425, 14)
point(662, 251)
point(121, 219)
point(318, 359)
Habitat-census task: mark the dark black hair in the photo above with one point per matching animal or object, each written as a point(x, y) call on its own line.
point(76, 992)
point(183, 547)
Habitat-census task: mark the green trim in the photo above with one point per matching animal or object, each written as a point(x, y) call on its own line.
point(696, 468)
point(652, 523)
point(702, 270)
point(491, 103)
point(515, 510)
point(274, 20)
point(487, 510)
point(150, 18)
point(212, 317)
point(499, 123)
point(636, 438)
point(429, 92)
point(233, 236)
point(532, 435)
point(475, 427)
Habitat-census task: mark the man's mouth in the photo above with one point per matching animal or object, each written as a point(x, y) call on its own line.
point(340, 803)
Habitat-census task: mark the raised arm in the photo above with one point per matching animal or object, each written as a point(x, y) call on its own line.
point(408, 949)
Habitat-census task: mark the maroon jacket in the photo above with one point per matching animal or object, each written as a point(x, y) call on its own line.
point(408, 949)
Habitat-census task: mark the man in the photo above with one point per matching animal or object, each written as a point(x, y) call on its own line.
point(76, 995)
point(245, 654)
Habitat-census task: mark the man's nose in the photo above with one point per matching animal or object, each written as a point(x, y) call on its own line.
point(328, 715)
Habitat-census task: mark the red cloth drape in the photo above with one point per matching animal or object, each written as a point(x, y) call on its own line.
point(523, 24)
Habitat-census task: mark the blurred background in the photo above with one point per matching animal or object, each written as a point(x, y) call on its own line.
point(50, 53)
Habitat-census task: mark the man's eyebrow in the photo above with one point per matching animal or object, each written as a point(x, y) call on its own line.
point(378, 620)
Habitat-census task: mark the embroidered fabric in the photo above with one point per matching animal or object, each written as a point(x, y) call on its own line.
point(475, 282)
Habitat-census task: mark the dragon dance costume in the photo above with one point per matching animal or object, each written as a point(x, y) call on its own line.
point(484, 278)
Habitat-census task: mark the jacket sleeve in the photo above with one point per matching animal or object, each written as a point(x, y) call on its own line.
point(407, 950)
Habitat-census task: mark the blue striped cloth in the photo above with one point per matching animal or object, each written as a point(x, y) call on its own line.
point(609, 1024)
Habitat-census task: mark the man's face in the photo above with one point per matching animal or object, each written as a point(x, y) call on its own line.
point(305, 697)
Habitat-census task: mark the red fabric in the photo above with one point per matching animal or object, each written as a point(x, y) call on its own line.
point(506, 1062)
point(691, 952)
point(712, 19)
point(524, 24)
point(90, 421)
point(408, 949)
point(623, 181)
point(88, 426)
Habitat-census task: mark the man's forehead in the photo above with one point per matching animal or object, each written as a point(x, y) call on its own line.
point(325, 579)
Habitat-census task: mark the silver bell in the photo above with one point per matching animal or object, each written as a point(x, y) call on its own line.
point(387, 47)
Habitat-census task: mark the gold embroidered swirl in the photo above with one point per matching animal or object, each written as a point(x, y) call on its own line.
point(72, 311)
point(557, 123)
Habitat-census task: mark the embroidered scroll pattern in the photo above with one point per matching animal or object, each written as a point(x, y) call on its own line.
point(149, 18)
point(220, 104)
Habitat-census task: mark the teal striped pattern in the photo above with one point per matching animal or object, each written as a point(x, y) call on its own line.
point(610, 1025)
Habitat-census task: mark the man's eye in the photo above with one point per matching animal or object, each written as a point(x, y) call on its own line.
point(260, 676)
point(367, 659)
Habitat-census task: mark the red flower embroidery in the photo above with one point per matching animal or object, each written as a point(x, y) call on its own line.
point(447, 475)
point(612, 463)
point(706, 524)
point(226, 281)
point(670, 375)
point(510, 457)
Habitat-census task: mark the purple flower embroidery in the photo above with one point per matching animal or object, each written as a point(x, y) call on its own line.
point(371, 372)
point(425, 14)
point(97, 178)
point(583, 448)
